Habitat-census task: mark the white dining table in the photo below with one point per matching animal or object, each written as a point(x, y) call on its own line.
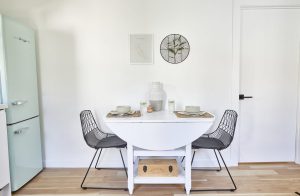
point(159, 134)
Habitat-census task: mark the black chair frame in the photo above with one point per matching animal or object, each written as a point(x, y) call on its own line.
point(224, 134)
point(99, 168)
point(97, 139)
point(233, 183)
point(218, 169)
point(87, 172)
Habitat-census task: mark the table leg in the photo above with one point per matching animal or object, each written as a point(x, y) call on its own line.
point(130, 168)
point(188, 169)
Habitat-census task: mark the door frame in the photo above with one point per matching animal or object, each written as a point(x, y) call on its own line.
point(297, 155)
point(237, 7)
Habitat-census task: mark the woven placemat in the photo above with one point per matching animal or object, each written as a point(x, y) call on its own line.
point(126, 115)
point(204, 115)
point(76, 194)
point(240, 194)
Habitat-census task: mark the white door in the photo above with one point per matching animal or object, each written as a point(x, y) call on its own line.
point(269, 72)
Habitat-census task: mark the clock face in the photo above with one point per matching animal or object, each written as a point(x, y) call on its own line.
point(174, 48)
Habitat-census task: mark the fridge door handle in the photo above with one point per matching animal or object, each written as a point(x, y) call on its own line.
point(19, 102)
point(20, 131)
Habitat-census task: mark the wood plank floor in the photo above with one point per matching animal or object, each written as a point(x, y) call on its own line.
point(250, 178)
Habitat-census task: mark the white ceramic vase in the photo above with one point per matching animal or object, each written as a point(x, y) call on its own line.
point(156, 96)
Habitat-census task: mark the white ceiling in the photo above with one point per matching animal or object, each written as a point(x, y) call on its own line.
point(23, 8)
point(21, 5)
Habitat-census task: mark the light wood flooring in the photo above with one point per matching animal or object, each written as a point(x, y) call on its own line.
point(250, 178)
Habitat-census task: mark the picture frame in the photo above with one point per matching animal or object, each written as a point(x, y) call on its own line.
point(141, 49)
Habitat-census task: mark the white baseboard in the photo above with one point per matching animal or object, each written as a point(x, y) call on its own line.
point(79, 164)
point(112, 159)
point(210, 163)
point(297, 157)
point(118, 164)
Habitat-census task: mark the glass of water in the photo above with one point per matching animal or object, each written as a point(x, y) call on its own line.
point(143, 107)
point(171, 105)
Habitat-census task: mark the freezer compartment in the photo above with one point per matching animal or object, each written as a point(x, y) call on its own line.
point(25, 154)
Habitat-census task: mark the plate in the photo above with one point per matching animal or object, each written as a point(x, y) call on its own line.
point(114, 112)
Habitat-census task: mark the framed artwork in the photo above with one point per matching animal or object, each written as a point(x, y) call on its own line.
point(141, 48)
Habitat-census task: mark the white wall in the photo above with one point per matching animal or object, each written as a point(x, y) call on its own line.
point(83, 64)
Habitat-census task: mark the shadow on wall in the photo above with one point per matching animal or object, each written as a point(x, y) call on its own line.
point(58, 87)
point(62, 84)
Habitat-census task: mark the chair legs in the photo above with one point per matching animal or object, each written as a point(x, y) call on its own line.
point(193, 158)
point(123, 163)
point(86, 174)
point(88, 171)
point(98, 160)
point(232, 189)
point(219, 169)
point(110, 168)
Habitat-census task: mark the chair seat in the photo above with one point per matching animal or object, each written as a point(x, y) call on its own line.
point(208, 143)
point(111, 142)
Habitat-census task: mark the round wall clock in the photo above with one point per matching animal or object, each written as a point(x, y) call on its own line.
point(174, 48)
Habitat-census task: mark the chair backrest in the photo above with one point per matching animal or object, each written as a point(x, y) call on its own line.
point(91, 133)
point(226, 128)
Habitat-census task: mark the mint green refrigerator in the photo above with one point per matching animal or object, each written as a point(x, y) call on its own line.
point(19, 91)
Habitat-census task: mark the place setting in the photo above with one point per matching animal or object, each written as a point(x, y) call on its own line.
point(155, 103)
point(123, 111)
point(193, 112)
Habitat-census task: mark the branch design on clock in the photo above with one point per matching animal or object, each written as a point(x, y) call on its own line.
point(174, 48)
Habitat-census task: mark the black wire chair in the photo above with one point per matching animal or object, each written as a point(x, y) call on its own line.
point(97, 139)
point(218, 140)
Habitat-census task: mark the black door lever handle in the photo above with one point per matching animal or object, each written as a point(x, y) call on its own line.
point(242, 96)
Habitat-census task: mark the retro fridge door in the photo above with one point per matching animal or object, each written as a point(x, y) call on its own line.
point(24, 142)
point(21, 93)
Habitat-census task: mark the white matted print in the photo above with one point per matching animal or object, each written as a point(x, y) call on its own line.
point(141, 48)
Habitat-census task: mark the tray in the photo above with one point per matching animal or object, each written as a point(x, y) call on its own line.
point(126, 115)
